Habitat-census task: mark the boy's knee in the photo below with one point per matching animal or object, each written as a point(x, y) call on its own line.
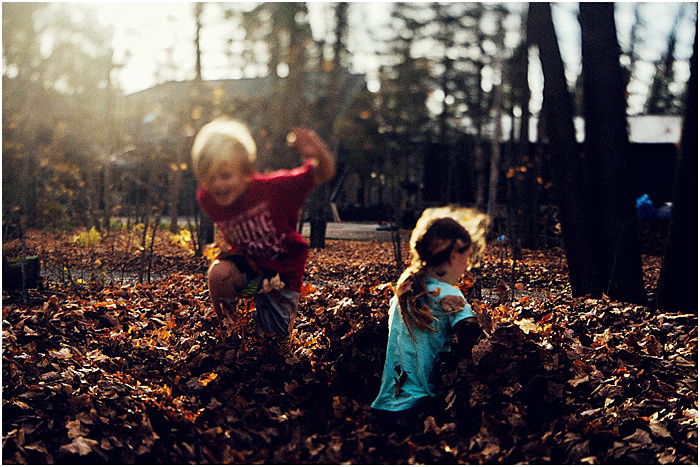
point(224, 275)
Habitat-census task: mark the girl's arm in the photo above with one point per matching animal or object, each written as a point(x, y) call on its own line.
point(468, 333)
point(310, 146)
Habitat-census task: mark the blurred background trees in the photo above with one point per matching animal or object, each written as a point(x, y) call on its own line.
point(438, 103)
point(57, 99)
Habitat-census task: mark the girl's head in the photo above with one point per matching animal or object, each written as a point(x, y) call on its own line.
point(220, 142)
point(435, 246)
point(443, 237)
point(472, 220)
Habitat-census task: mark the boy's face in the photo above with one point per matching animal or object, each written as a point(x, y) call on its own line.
point(225, 182)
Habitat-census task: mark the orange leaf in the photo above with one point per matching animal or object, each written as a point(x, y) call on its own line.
point(163, 333)
point(207, 378)
point(211, 252)
point(306, 289)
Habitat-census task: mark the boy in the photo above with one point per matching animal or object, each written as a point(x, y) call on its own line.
point(257, 214)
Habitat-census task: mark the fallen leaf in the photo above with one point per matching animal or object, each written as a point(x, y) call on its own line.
point(207, 378)
point(75, 429)
point(81, 446)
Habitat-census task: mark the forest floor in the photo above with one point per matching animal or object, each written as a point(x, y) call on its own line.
point(98, 368)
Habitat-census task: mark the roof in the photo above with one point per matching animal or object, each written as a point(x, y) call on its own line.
point(641, 128)
point(250, 88)
point(155, 123)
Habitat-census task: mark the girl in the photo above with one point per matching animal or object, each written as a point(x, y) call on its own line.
point(423, 313)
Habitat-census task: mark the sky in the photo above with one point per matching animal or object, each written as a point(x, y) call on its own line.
point(145, 33)
point(146, 30)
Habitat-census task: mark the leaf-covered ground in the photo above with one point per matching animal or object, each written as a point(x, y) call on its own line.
point(99, 371)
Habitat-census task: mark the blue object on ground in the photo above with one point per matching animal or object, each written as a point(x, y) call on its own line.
point(645, 208)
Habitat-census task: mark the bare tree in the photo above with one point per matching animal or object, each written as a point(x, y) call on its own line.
point(613, 217)
point(678, 283)
point(206, 226)
point(320, 199)
point(566, 163)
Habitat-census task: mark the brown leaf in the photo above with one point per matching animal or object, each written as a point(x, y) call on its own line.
point(490, 450)
point(22, 405)
point(452, 303)
point(639, 436)
point(81, 402)
point(75, 429)
point(51, 375)
point(658, 429)
point(581, 379)
point(501, 290)
point(81, 446)
point(431, 425)
point(667, 457)
point(51, 304)
point(64, 353)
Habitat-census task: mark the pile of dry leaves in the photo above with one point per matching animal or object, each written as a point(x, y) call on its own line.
point(137, 373)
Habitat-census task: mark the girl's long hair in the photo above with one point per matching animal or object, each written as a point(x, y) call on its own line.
point(432, 249)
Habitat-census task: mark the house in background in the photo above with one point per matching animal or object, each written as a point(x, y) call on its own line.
point(161, 122)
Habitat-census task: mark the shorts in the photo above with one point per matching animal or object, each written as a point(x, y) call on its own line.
point(274, 310)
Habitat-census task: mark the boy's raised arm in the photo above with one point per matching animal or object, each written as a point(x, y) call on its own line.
point(307, 143)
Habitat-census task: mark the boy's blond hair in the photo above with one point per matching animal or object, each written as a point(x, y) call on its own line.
point(222, 140)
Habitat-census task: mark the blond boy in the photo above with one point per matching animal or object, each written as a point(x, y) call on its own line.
point(257, 215)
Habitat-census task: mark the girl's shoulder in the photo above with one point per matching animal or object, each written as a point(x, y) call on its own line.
point(447, 300)
point(441, 289)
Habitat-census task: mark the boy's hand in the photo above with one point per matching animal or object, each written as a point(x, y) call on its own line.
point(309, 146)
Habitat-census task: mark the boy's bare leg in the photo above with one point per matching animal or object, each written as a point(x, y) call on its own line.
point(223, 279)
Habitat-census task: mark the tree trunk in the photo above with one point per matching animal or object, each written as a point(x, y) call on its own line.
point(566, 163)
point(320, 200)
point(109, 147)
point(176, 178)
point(444, 137)
point(479, 154)
point(617, 256)
point(198, 9)
point(206, 226)
point(174, 196)
point(529, 190)
point(495, 169)
point(513, 203)
point(678, 283)
point(523, 207)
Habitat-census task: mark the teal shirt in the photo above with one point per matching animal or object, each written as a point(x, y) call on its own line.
point(409, 363)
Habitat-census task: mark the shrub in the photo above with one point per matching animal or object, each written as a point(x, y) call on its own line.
point(90, 238)
point(184, 238)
